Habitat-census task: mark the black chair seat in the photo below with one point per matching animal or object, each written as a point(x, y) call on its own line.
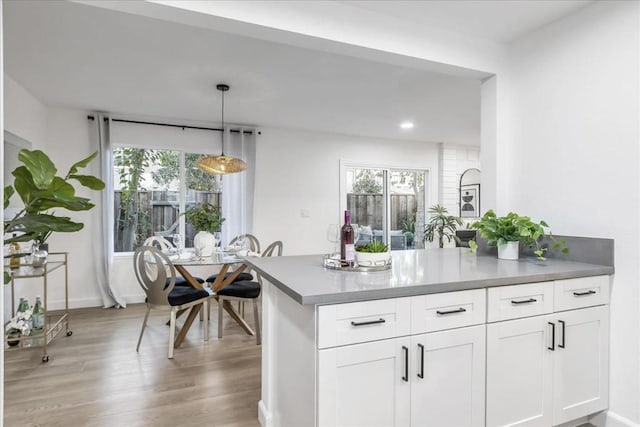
point(242, 289)
point(185, 294)
point(241, 277)
point(181, 281)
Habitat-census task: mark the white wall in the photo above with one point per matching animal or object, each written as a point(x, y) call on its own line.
point(24, 115)
point(575, 150)
point(301, 170)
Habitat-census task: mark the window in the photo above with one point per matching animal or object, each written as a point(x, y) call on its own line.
point(151, 189)
point(386, 204)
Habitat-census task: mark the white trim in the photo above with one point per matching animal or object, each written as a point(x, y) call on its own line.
point(264, 416)
point(16, 140)
point(611, 419)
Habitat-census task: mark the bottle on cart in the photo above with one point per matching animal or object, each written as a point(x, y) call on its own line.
point(38, 316)
point(23, 305)
point(14, 251)
point(347, 247)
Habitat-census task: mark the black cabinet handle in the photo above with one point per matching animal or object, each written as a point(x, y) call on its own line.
point(553, 337)
point(405, 377)
point(443, 313)
point(421, 373)
point(562, 323)
point(580, 294)
point(370, 322)
point(526, 301)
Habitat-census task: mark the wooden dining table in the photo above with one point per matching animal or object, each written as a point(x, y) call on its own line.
point(224, 260)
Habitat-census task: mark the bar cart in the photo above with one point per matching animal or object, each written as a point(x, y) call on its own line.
point(54, 321)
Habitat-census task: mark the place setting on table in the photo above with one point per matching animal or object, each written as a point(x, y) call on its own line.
point(225, 257)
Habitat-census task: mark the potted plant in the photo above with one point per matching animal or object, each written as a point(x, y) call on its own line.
point(442, 224)
point(375, 253)
point(508, 231)
point(42, 191)
point(207, 219)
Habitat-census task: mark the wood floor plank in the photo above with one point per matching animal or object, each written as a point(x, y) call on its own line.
point(96, 378)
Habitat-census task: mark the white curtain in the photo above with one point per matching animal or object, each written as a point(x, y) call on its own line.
point(238, 188)
point(103, 220)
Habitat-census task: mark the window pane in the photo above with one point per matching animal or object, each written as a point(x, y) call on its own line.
point(146, 195)
point(406, 202)
point(201, 188)
point(365, 201)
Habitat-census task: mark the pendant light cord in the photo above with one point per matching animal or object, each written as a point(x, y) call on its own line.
point(223, 129)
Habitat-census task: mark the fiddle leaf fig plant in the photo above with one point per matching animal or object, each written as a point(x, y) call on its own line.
point(41, 191)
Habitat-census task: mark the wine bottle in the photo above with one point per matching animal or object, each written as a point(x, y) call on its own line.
point(347, 247)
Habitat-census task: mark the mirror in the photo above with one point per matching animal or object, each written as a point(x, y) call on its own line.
point(470, 193)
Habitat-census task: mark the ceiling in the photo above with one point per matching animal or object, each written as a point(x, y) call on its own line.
point(79, 56)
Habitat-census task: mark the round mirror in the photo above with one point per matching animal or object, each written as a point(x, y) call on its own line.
point(470, 193)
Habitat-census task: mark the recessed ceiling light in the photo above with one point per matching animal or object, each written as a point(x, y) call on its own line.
point(406, 125)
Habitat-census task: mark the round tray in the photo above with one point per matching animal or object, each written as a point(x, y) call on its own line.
point(332, 262)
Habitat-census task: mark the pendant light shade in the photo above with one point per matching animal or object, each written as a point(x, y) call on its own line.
point(221, 165)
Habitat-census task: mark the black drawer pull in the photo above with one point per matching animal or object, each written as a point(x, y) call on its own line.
point(580, 294)
point(562, 323)
point(405, 377)
point(442, 313)
point(553, 337)
point(526, 301)
point(370, 322)
point(421, 373)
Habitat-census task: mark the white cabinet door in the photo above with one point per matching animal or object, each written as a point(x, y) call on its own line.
point(365, 384)
point(581, 375)
point(519, 372)
point(447, 378)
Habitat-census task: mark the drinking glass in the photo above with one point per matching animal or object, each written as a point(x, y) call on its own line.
point(333, 235)
point(177, 242)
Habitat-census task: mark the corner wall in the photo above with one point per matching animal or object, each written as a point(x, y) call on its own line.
point(575, 152)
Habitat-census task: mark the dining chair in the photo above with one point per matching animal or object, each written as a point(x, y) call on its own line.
point(246, 290)
point(157, 277)
point(254, 243)
point(165, 245)
point(254, 246)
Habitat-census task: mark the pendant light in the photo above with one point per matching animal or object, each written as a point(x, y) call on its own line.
point(221, 165)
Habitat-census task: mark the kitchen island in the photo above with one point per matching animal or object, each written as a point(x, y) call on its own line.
point(443, 338)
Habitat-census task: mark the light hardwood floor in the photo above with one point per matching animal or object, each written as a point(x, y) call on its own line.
point(96, 378)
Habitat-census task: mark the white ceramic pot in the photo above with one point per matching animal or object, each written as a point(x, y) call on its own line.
point(204, 243)
point(372, 259)
point(509, 251)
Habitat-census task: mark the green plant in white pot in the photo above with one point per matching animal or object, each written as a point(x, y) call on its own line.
point(373, 254)
point(207, 219)
point(508, 231)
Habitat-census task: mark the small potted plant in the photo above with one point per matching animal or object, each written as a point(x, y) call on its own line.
point(441, 224)
point(373, 254)
point(508, 231)
point(207, 219)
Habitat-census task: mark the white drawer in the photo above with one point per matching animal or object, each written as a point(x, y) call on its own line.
point(512, 302)
point(341, 324)
point(448, 310)
point(581, 292)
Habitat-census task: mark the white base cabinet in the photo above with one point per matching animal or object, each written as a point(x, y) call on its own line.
point(550, 369)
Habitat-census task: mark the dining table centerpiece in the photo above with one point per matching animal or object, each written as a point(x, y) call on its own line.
point(207, 219)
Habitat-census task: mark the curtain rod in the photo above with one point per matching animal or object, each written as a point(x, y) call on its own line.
point(171, 125)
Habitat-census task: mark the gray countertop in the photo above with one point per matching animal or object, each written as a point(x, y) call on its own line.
point(414, 272)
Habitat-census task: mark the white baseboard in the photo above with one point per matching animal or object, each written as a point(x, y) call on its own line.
point(611, 419)
point(264, 417)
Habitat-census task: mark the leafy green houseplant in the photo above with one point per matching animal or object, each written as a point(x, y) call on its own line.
point(501, 230)
point(374, 254)
point(441, 224)
point(205, 217)
point(41, 192)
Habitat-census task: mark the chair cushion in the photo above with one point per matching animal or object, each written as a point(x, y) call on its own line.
point(242, 289)
point(181, 281)
point(184, 294)
point(241, 277)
